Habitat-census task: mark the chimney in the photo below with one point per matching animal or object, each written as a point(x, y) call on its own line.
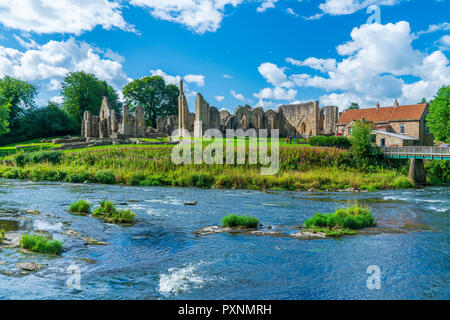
point(396, 103)
point(378, 105)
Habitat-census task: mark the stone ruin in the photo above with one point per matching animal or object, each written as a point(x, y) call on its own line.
point(113, 125)
point(301, 120)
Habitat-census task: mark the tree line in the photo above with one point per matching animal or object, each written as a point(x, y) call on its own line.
point(22, 119)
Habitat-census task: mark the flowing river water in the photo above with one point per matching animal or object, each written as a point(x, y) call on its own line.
point(160, 257)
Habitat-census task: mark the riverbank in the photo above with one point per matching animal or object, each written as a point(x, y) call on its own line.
point(300, 169)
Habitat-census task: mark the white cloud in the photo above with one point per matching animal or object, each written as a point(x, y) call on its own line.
point(57, 99)
point(291, 12)
point(266, 4)
point(198, 15)
point(376, 63)
point(274, 75)
point(30, 44)
point(62, 16)
point(239, 96)
point(198, 79)
point(168, 79)
point(444, 26)
point(445, 42)
point(227, 76)
point(323, 65)
point(53, 60)
point(344, 7)
point(219, 98)
point(276, 93)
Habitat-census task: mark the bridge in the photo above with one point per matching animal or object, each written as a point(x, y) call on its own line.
point(417, 152)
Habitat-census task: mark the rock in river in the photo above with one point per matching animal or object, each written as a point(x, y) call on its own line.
point(28, 266)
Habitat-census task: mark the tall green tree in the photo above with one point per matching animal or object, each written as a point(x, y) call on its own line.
point(16, 97)
point(364, 153)
point(84, 92)
point(438, 118)
point(353, 106)
point(157, 98)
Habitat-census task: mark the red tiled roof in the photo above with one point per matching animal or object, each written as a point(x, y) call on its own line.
point(386, 114)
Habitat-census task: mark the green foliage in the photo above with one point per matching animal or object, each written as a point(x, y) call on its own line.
point(438, 119)
point(353, 106)
point(2, 235)
point(22, 158)
point(352, 217)
point(233, 220)
point(157, 98)
point(108, 212)
point(105, 177)
point(402, 182)
point(438, 170)
point(335, 231)
point(81, 206)
point(364, 153)
point(331, 141)
point(16, 97)
point(84, 92)
point(41, 244)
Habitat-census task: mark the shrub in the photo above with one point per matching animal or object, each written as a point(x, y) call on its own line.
point(2, 235)
point(438, 170)
point(40, 244)
point(23, 158)
point(352, 217)
point(233, 220)
point(105, 177)
point(330, 141)
point(81, 206)
point(402, 182)
point(108, 212)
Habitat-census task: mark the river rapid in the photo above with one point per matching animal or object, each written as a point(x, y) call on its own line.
point(160, 257)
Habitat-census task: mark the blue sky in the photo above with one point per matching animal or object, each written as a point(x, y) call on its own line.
point(235, 52)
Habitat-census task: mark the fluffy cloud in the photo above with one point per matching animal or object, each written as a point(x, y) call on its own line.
point(167, 78)
point(276, 93)
point(62, 16)
point(266, 4)
point(198, 79)
point(50, 62)
point(198, 15)
point(378, 64)
point(219, 98)
point(239, 96)
point(343, 7)
point(274, 75)
point(444, 42)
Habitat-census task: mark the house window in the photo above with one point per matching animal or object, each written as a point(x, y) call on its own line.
point(383, 142)
point(349, 130)
point(402, 128)
point(427, 129)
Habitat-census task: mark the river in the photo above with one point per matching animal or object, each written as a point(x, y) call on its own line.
point(160, 258)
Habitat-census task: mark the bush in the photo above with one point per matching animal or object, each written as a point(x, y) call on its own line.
point(402, 183)
point(438, 170)
point(352, 217)
point(2, 235)
point(40, 244)
point(105, 177)
point(108, 212)
point(233, 220)
point(330, 141)
point(81, 206)
point(22, 158)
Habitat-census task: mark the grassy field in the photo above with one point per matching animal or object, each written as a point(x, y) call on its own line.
point(301, 168)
